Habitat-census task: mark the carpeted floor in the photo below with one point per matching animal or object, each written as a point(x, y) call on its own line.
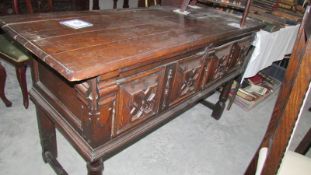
point(193, 143)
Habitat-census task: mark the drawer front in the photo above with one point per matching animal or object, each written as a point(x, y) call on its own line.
point(240, 50)
point(187, 77)
point(139, 98)
point(226, 58)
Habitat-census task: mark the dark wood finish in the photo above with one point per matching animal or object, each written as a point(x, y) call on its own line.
point(246, 11)
point(16, 6)
point(2, 86)
point(21, 77)
point(305, 143)
point(47, 134)
point(95, 167)
point(106, 86)
point(221, 103)
point(289, 102)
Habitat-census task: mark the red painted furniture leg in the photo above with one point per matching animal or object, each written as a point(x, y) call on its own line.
point(21, 77)
point(2, 85)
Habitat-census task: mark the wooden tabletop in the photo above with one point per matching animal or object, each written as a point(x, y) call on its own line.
point(118, 38)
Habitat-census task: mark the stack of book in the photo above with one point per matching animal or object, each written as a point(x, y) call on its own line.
point(255, 89)
point(265, 4)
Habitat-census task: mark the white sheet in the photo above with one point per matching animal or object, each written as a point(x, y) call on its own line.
point(270, 47)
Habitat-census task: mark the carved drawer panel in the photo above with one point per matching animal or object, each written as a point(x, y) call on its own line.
point(218, 61)
point(226, 58)
point(187, 77)
point(139, 98)
point(239, 51)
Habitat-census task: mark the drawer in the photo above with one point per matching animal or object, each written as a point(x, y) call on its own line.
point(226, 58)
point(187, 77)
point(139, 98)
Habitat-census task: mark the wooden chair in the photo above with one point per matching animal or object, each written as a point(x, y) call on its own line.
point(291, 96)
point(17, 56)
point(29, 5)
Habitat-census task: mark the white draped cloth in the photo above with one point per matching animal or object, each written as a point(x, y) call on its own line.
point(270, 47)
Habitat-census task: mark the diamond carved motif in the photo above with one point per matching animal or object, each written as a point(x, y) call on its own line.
point(190, 78)
point(139, 98)
point(186, 79)
point(143, 103)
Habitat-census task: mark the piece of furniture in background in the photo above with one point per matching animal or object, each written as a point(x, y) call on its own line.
point(305, 143)
point(287, 4)
point(16, 6)
point(102, 100)
point(2, 86)
point(230, 4)
point(288, 105)
point(7, 7)
point(15, 54)
point(11, 52)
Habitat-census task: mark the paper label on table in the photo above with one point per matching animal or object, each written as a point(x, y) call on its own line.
point(194, 6)
point(236, 25)
point(181, 12)
point(76, 23)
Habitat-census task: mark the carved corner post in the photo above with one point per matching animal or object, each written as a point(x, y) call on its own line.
point(99, 110)
point(93, 114)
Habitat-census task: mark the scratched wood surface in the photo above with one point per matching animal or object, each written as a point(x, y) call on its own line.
point(118, 38)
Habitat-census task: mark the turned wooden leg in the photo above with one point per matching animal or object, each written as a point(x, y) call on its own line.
point(29, 6)
point(235, 91)
point(2, 85)
point(48, 142)
point(21, 77)
point(126, 4)
point(95, 167)
point(115, 4)
point(47, 134)
point(15, 6)
point(96, 5)
point(220, 105)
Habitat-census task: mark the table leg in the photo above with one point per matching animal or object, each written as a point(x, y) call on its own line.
point(48, 142)
point(2, 85)
point(126, 4)
point(220, 105)
point(95, 167)
point(115, 2)
point(47, 135)
point(21, 77)
point(235, 91)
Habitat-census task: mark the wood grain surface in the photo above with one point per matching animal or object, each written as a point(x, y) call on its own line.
point(118, 38)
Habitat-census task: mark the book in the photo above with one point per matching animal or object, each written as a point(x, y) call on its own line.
point(253, 94)
point(257, 79)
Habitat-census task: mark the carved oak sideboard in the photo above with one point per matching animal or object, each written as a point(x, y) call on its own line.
point(107, 85)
